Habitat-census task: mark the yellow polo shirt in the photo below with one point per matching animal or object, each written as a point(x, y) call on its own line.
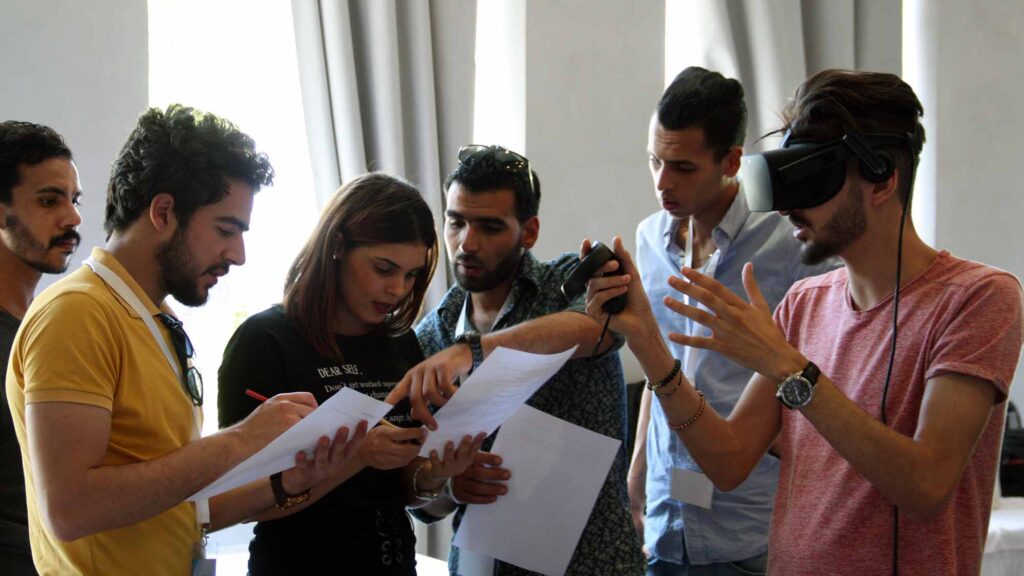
point(80, 342)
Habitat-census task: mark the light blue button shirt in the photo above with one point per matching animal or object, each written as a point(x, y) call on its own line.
point(736, 526)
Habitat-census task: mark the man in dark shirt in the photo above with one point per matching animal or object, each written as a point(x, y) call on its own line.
point(506, 297)
point(39, 196)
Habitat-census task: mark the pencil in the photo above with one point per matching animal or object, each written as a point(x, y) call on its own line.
point(256, 395)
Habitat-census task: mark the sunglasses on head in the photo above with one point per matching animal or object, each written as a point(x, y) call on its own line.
point(507, 159)
point(192, 380)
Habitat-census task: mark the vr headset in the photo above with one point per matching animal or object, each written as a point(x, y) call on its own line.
point(806, 173)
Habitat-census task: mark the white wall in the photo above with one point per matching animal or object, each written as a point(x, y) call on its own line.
point(971, 84)
point(80, 68)
point(594, 73)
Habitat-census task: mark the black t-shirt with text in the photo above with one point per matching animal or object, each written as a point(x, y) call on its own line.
point(361, 527)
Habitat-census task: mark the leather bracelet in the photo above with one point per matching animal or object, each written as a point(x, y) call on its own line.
point(676, 366)
point(282, 498)
point(686, 424)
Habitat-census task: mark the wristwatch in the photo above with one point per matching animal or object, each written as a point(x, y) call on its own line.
point(472, 339)
point(283, 499)
point(797, 389)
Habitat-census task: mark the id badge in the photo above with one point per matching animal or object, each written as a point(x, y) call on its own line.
point(201, 565)
point(692, 487)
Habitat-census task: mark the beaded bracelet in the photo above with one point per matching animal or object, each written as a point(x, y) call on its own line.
point(654, 387)
point(700, 410)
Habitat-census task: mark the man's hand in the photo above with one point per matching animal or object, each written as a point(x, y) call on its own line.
point(637, 318)
point(433, 382)
point(637, 490)
point(744, 333)
point(389, 447)
point(482, 482)
point(327, 462)
point(271, 418)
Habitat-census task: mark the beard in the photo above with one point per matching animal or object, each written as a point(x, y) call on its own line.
point(842, 229)
point(180, 272)
point(490, 279)
point(25, 245)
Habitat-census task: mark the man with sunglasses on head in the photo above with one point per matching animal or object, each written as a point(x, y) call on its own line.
point(104, 396)
point(506, 297)
point(884, 382)
point(39, 219)
point(695, 140)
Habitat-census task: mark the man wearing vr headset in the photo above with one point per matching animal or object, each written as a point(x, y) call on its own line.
point(888, 458)
point(506, 297)
point(694, 147)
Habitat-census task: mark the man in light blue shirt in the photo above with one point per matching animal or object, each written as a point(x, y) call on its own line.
point(694, 147)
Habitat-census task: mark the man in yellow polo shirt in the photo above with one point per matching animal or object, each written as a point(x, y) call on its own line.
point(103, 394)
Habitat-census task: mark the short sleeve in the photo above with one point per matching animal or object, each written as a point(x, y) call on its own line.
point(254, 360)
point(67, 352)
point(984, 338)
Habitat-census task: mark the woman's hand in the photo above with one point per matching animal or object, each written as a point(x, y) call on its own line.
point(328, 460)
point(387, 447)
point(453, 462)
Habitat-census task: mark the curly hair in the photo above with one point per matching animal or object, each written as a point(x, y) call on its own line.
point(183, 152)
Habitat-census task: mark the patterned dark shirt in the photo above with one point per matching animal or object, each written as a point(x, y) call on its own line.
point(588, 392)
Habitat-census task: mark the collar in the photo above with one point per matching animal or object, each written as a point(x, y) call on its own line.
point(726, 230)
point(110, 261)
point(528, 280)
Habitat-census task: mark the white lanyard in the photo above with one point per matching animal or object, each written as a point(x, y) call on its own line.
point(708, 270)
point(118, 285)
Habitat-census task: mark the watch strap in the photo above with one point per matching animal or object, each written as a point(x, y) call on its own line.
point(472, 339)
point(811, 372)
point(282, 498)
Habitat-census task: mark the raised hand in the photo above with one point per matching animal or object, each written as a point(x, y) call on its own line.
point(637, 317)
point(743, 332)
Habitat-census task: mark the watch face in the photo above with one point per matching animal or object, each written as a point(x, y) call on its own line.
point(797, 392)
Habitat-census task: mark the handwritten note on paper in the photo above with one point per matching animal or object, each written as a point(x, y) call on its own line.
point(557, 469)
point(346, 408)
point(495, 390)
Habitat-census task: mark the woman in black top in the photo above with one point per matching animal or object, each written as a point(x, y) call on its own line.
point(349, 302)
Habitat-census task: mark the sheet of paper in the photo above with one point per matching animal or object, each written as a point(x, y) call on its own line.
point(495, 390)
point(557, 469)
point(346, 408)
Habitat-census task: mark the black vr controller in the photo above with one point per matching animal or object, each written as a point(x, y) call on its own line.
point(576, 284)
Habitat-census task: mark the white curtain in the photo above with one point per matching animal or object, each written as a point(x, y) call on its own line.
point(773, 46)
point(371, 72)
point(372, 75)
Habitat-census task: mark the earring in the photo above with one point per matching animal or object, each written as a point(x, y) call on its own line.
point(334, 256)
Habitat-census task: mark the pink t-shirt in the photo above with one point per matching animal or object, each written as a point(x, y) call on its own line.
point(958, 317)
